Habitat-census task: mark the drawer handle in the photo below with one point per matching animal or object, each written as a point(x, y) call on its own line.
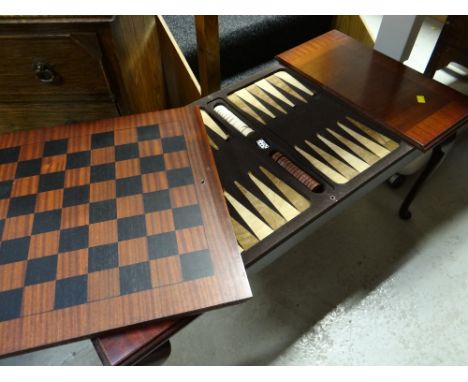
point(45, 73)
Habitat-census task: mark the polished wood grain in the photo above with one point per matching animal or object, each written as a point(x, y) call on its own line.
point(356, 27)
point(70, 46)
point(132, 52)
point(41, 324)
point(53, 19)
point(380, 87)
point(132, 345)
point(104, 66)
point(34, 115)
point(181, 84)
point(209, 67)
point(79, 75)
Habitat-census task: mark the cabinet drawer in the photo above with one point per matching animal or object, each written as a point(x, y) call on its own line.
point(22, 116)
point(52, 68)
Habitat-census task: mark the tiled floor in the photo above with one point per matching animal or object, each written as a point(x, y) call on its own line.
point(365, 289)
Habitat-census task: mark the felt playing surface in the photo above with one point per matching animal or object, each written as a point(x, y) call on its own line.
point(110, 219)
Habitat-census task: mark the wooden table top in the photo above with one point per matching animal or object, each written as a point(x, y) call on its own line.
point(382, 88)
point(111, 223)
point(353, 72)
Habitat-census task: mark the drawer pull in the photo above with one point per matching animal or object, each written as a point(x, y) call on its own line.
point(45, 73)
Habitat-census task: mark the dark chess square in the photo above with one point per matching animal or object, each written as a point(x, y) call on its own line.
point(55, 147)
point(129, 186)
point(14, 250)
point(5, 189)
point(70, 292)
point(78, 160)
point(41, 270)
point(186, 217)
point(196, 265)
point(156, 201)
point(10, 304)
point(75, 195)
point(146, 133)
point(152, 164)
point(172, 144)
point(135, 278)
point(101, 140)
point(28, 168)
point(131, 227)
point(162, 245)
point(22, 205)
point(46, 221)
point(9, 155)
point(103, 257)
point(102, 211)
point(127, 151)
point(102, 172)
point(49, 182)
point(179, 177)
point(72, 239)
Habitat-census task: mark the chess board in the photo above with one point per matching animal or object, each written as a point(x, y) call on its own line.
point(108, 224)
point(331, 110)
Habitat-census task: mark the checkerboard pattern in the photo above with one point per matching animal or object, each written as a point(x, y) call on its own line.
point(92, 217)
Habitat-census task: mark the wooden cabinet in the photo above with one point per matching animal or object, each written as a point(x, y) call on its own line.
point(452, 45)
point(52, 68)
point(61, 69)
point(52, 72)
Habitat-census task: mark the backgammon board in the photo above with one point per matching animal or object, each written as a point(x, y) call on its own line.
point(299, 152)
point(121, 222)
point(301, 139)
point(109, 224)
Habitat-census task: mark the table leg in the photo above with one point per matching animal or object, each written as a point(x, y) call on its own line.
point(437, 155)
point(156, 357)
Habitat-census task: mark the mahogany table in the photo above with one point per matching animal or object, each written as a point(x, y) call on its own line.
point(416, 111)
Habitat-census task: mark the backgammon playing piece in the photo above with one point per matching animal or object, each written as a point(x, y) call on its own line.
point(351, 159)
point(270, 89)
point(347, 171)
point(240, 104)
point(308, 181)
point(364, 154)
point(379, 138)
point(259, 93)
point(371, 145)
point(243, 236)
point(212, 125)
point(280, 84)
point(273, 219)
point(285, 76)
point(233, 120)
point(296, 199)
point(287, 210)
point(323, 168)
point(260, 229)
point(249, 98)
